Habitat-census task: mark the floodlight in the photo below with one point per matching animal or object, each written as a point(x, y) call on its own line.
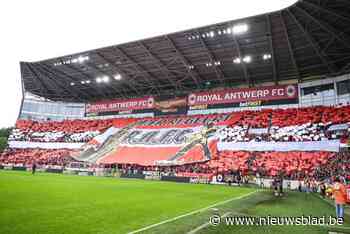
point(247, 59)
point(81, 59)
point(240, 28)
point(237, 60)
point(266, 56)
point(117, 77)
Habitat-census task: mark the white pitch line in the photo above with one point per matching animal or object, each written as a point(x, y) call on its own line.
point(335, 227)
point(191, 213)
point(205, 225)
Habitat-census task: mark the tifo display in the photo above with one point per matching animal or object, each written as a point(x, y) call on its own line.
point(266, 142)
point(252, 114)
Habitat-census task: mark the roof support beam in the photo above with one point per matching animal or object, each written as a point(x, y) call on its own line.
point(321, 8)
point(272, 49)
point(87, 76)
point(43, 86)
point(291, 51)
point(121, 73)
point(193, 73)
point(330, 42)
point(313, 43)
point(98, 70)
point(54, 74)
point(139, 67)
point(244, 67)
point(57, 84)
point(160, 64)
point(326, 27)
point(64, 75)
point(212, 59)
point(345, 68)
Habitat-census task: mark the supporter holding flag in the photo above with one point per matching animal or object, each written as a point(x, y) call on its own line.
point(339, 194)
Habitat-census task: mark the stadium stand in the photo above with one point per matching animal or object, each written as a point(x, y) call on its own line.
point(63, 131)
point(307, 124)
point(285, 112)
point(263, 101)
point(320, 124)
point(43, 158)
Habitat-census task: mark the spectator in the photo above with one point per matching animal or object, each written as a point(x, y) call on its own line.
point(339, 194)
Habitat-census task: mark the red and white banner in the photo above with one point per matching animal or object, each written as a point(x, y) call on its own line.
point(144, 146)
point(327, 145)
point(167, 141)
point(268, 93)
point(188, 121)
point(120, 105)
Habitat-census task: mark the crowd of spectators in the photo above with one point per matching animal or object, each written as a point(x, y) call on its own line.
point(279, 125)
point(65, 131)
point(308, 166)
point(339, 165)
point(317, 166)
point(295, 124)
point(41, 157)
point(55, 136)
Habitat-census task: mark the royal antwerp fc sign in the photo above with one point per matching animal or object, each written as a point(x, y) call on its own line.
point(268, 93)
point(120, 105)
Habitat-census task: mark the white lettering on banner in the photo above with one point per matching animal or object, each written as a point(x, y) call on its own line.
point(266, 92)
point(277, 92)
point(121, 105)
point(210, 98)
point(159, 137)
point(244, 95)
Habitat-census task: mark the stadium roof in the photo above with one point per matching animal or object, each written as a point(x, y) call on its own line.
point(308, 40)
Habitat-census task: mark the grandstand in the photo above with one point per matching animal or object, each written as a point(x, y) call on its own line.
point(246, 101)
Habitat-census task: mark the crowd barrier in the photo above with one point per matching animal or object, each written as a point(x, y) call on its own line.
point(260, 182)
point(176, 179)
point(16, 168)
point(53, 170)
point(132, 176)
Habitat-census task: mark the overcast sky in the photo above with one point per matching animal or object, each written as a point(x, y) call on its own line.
point(38, 29)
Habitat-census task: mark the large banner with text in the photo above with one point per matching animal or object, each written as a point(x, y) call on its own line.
point(242, 97)
point(120, 106)
point(168, 141)
point(258, 96)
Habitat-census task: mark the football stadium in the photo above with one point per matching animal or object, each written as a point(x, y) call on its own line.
point(237, 127)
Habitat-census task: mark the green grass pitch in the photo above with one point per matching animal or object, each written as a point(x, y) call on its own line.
point(48, 203)
point(57, 204)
